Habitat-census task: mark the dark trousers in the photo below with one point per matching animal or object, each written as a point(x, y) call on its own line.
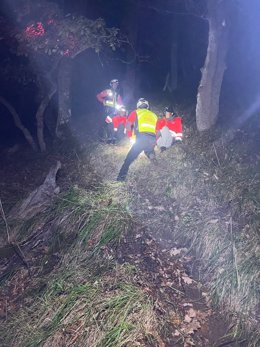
point(144, 142)
point(111, 134)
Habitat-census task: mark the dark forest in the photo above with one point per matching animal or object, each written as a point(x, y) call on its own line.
point(129, 173)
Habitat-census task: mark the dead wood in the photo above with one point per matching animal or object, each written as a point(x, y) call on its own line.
point(39, 199)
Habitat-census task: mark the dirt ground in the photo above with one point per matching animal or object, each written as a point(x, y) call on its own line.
point(168, 272)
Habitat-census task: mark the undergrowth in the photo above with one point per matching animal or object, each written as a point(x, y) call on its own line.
point(89, 300)
point(105, 310)
point(204, 194)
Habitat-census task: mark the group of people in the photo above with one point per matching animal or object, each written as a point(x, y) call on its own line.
point(142, 124)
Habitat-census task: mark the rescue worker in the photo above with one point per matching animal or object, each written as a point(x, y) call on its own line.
point(119, 123)
point(112, 101)
point(143, 122)
point(168, 129)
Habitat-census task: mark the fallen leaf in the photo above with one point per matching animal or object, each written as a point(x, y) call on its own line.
point(192, 327)
point(192, 313)
point(188, 342)
point(174, 252)
point(213, 221)
point(187, 318)
point(187, 279)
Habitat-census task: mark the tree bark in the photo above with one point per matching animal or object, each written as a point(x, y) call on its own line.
point(208, 96)
point(40, 119)
point(131, 28)
point(64, 106)
point(18, 123)
point(174, 54)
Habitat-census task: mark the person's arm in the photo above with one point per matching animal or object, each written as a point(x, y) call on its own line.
point(178, 129)
point(159, 126)
point(119, 100)
point(130, 123)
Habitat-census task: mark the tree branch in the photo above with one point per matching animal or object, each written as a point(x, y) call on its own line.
point(40, 118)
point(167, 12)
point(18, 123)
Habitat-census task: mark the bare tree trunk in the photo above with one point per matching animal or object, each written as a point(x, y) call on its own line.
point(131, 28)
point(174, 54)
point(64, 107)
point(40, 119)
point(18, 123)
point(213, 71)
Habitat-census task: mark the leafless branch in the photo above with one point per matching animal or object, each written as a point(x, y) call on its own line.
point(167, 12)
point(5, 221)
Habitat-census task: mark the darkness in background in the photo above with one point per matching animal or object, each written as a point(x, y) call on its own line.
point(92, 72)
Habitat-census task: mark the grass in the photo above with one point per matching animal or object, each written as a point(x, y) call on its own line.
point(103, 311)
point(88, 301)
point(206, 203)
point(207, 198)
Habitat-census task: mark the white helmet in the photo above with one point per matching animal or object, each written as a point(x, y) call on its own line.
point(142, 103)
point(114, 81)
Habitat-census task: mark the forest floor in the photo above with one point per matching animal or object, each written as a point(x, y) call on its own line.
point(152, 262)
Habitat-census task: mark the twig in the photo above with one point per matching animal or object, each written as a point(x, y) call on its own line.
point(234, 252)
point(230, 342)
point(216, 155)
point(5, 221)
point(15, 245)
point(6, 309)
point(167, 12)
point(226, 343)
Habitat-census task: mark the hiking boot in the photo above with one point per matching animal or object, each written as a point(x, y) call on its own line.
point(163, 149)
point(121, 178)
point(113, 142)
point(151, 156)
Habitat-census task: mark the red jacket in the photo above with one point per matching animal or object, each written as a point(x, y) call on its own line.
point(117, 120)
point(130, 123)
point(174, 124)
point(107, 94)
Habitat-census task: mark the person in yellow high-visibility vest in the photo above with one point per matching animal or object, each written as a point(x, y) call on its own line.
point(143, 122)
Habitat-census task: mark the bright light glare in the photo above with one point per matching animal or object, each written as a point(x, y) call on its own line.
point(132, 141)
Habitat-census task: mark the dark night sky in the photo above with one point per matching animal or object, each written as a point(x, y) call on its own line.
point(157, 24)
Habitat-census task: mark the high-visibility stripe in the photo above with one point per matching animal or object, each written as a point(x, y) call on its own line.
point(115, 129)
point(148, 125)
point(172, 132)
point(108, 119)
point(178, 134)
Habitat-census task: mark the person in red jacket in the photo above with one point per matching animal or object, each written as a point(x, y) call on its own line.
point(112, 101)
point(168, 129)
point(119, 123)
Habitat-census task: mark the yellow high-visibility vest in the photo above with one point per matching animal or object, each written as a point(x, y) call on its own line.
point(146, 121)
point(111, 98)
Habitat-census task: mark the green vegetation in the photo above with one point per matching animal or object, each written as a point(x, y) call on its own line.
point(89, 299)
point(102, 311)
point(205, 200)
point(206, 195)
